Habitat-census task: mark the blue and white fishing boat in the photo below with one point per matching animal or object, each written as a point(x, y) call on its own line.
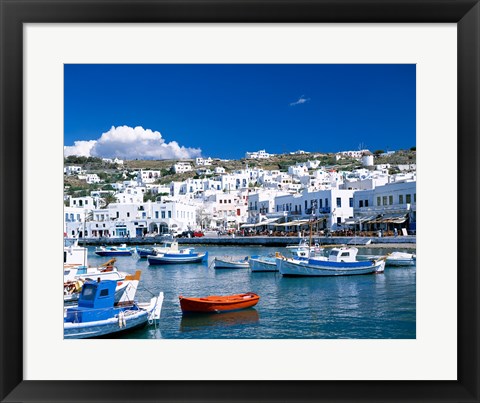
point(339, 262)
point(97, 315)
point(122, 250)
point(186, 255)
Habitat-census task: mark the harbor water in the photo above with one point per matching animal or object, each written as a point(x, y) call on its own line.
point(375, 306)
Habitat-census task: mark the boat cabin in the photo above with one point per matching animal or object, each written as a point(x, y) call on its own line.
point(95, 302)
point(343, 255)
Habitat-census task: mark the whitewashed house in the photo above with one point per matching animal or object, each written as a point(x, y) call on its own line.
point(182, 167)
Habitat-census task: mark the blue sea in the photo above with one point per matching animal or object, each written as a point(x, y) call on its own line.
point(375, 306)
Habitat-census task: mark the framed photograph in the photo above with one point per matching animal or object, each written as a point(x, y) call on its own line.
point(299, 76)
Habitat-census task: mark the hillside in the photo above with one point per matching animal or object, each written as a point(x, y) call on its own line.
point(111, 173)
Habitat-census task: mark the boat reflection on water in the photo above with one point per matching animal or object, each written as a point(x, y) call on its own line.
point(196, 321)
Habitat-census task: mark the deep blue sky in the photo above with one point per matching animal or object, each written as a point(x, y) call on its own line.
point(227, 110)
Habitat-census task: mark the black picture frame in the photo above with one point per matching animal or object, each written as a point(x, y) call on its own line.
point(14, 13)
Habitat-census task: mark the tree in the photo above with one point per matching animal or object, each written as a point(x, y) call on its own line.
point(378, 152)
point(109, 198)
point(414, 148)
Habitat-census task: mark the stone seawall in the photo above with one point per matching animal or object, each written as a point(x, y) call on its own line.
point(402, 241)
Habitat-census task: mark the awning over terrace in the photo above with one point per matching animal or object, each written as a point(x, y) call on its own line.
point(390, 219)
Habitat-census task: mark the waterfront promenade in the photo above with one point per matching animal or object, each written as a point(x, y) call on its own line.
point(408, 241)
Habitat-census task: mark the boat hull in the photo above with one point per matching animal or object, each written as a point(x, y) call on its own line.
point(158, 260)
point(263, 265)
point(219, 303)
point(101, 328)
point(143, 253)
point(297, 268)
point(113, 253)
point(225, 264)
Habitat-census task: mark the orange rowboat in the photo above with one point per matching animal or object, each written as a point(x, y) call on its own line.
point(218, 303)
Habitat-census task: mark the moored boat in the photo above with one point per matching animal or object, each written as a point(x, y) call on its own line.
point(97, 315)
point(230, 263)
point(263, 263)
point(340, 262)
point(122, 250)
point(106, 271)
point(401, 259)
point(219, 303)
point(186, 255)
point(124, 292)
point(169, 246)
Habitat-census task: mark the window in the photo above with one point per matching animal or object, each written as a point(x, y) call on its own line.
point(339, 202)
point(321, 203)
point(169, 214)
point(366, 203)
point(104, 293)
point(414, 197)
point(378, 201)
point(400, 199)
point(326, 203)
point(384, 199)
point(339, 220)
point(350, 202)
point(128, 214)
point(163, 214)
point(409, 198)
point(390, 200)
point(360, 203)
point(156, 214)
point(221, 201)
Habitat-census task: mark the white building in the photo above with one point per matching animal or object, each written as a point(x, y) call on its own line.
point(181, 167)
point(148, 176)
point(92, 178)
point(333, 206)
point(138, 220)
point(351, 154)
point(261, 154)
point(131, 195)
point(386, 207)
point(86, 202)
point(203, 161)
point(72, 170)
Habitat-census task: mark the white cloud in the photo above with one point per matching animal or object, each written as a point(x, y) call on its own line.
point(300, 101)
point(130, 143)
point(80, 148)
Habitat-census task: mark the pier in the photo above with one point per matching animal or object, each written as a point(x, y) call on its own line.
point(408, 241)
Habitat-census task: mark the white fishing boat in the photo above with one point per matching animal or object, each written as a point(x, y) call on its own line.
point(263, 263)
point(231, 263)
point(106, 271)
point(401, 259)
point(340, 261)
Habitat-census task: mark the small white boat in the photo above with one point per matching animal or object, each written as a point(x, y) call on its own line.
point(230, 263)
point(340, 262)
point(263, 263)
point(401, 259)
point(106, 271)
